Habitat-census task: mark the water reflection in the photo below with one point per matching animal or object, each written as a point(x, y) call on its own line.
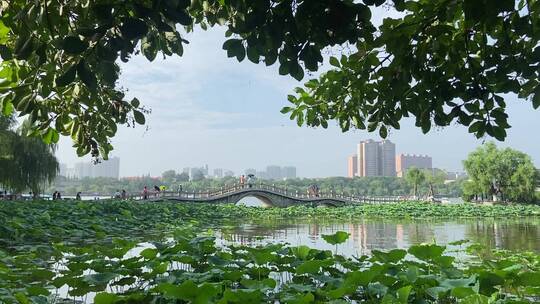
point(369, 234)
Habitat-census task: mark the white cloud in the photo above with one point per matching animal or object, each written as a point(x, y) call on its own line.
point(207, 108)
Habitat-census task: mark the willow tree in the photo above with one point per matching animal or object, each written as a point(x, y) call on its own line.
point(6, 151)
point(415, 177)
point(441, 61)
point(434, 179)
point(502, 174)
point(26, 162)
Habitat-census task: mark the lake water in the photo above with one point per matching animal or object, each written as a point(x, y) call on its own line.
point(367, 234)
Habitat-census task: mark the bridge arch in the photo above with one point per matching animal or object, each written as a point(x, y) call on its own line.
point(269, 195)
point(266, 200)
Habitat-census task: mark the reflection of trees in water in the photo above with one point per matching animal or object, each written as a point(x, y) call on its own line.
point(514, 235)
point(381, 235)
point(246, 233)
point(419, 233)
point(369, 234)
point(314, 230)
point(279, 230)
point(365, 235)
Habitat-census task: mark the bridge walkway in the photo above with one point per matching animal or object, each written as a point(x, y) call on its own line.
point(224, 194)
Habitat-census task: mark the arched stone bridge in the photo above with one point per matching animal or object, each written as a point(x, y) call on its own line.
point(270, 196)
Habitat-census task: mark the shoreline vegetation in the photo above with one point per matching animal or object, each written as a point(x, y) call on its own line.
point(367, 186)
point(60, 252)
point(44, 222)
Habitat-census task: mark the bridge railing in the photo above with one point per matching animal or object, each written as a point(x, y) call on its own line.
point(237, 187)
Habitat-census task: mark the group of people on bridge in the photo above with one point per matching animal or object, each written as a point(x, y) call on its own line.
point(249, 181)
point(156, 191)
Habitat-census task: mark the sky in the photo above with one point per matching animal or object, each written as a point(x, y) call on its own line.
point(210, 109)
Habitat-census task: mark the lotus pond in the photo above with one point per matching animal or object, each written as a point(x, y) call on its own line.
point(132, 252)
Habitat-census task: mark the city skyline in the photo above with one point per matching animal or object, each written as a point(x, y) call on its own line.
point(376, 158)
point(405, 161)
point(274, 172)
point(270, 172)
point(103, 168)
point(236, 172)
point(228, 113)
point(373, 158)
point(111, 168)
point(379, 158)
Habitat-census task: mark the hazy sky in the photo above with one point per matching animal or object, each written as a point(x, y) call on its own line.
point(210, 109)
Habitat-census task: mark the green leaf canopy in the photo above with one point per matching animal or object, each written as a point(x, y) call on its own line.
point(440, 61)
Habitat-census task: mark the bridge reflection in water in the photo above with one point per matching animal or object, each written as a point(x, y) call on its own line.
point(271, 195)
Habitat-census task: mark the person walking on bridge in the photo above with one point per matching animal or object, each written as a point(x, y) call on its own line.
point(242, 181)
point(313, 191)
point(145, 193)
point(251, 180)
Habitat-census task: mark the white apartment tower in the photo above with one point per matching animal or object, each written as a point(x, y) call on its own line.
point(375, 158)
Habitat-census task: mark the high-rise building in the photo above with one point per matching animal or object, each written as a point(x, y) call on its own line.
point(196, 173)
point(105, 168)
point(374, 158)
point(368, 158)
point(274, 172)
point(352, 166)
point(288, 172)
point(82, 170)
point(218, 173)
point(228, 173)
point(261, 175)
point(63, 170)
point(205, 170)
point(406, 161)
point(387, 158)
point(68, 172)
